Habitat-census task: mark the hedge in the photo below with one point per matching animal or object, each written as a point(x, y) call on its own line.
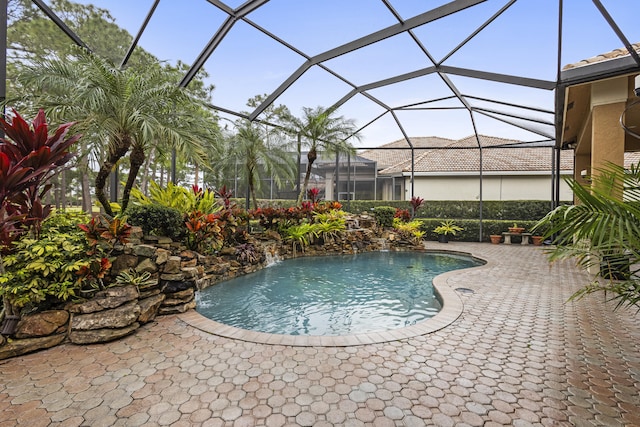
point(515, 210)
point(512, 210)
point(472, 228)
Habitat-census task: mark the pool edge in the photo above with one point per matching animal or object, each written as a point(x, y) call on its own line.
point(452, 308)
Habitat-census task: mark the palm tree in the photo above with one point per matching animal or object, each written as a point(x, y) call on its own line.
point(321, 130)
point(602, 230)
point(129, 110)
point(260, 152)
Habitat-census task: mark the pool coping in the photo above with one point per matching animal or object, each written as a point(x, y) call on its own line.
point(452, 307)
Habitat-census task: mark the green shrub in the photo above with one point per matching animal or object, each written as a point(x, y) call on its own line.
point(384, 215)
point(158, 220)
point(45, 271)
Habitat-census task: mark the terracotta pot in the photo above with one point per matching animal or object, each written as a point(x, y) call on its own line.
point(516, 230)
point(537, 240)
point(495, 238)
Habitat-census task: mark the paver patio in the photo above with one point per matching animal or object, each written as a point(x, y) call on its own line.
point(519, 355)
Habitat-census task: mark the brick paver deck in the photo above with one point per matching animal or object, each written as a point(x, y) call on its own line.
point(519, 354)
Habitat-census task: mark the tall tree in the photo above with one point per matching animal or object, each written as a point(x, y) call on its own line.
point(320, 129)
point(127, 109)
point(258, 156)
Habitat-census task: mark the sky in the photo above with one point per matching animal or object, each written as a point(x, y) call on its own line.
point(522, 41)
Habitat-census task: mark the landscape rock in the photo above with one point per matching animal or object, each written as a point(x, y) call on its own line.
point(120, 317)
point(179, 297)
point(172, 266)
point(148, 265)
point(123, 262)
point(106, 299)
point(162, 256)
point(101, 335)
point(147, 251)
point(170, 287)
point(18, 347)
point(42, 324)
point(149, 308)
point(176, 309)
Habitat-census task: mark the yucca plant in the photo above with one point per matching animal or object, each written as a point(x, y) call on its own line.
point(602, 230)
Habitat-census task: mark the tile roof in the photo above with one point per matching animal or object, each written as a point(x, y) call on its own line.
point(386, 157)
point(500, 156)
point(616, 53)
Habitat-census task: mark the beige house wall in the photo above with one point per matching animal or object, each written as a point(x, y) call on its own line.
point(494, 188)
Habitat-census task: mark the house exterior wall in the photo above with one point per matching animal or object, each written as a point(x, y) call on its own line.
point(532, 187)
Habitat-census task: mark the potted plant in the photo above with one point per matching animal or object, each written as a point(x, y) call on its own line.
point(495, 238)
point(445, 229)
point(515, 229)
point(537, 240)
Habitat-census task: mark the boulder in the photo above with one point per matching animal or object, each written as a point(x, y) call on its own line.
point(101, 335)
point(106, 299)
point(179, 297)
point(192, 272)
point(189, 263)
point(42, 324)
point(147, 264)
point(146, 251)
point(119, 317)
point(123, 262)
point(149, 308)
point(162, 256)
point(172, 277)
point(219, 268)
point(187, 254)
point(172, 266)
point(18, 347)
point(169, 287)
point(176, 309)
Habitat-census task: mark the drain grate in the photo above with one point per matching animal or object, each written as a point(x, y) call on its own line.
point(465, 290)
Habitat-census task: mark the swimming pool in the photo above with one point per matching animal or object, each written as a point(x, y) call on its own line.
point(333, 295)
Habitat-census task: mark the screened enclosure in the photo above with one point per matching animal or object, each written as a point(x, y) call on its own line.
point(399, 68)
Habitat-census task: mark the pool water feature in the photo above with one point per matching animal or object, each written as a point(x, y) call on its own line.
point(333, 295)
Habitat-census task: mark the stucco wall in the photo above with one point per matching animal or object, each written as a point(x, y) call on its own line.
point(494, 188)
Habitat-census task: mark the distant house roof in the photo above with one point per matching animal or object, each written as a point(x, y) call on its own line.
point(387, 156)
point(614, 54)
point(500, 155)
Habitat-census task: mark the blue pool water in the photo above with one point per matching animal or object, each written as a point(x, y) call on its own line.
point(335, 295)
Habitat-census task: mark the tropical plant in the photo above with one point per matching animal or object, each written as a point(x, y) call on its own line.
point(320, 129)
point(416, 203)
point(135, 278)
point(247, 253)
point(409, 230)
point(402, 214)
point(258, 153)
point(180, 198)
point(204, 233)
point(604, 227)
point(47, 270)
point(128, 109)
point(329, 225)
point(447, 227)
point(27, 160)
point(299, 235)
